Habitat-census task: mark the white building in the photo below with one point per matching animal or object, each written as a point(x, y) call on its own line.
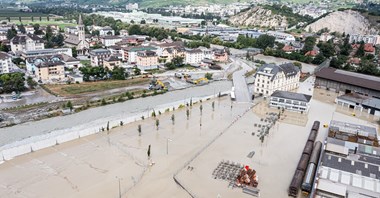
point(193, 56)
point(124, 33)
point(110, 40)
point(290, 101)
point(5, 63)
point(271, 77)
point(132, 6)
point(26, 42)
point(106, 31)
point(372, 39)
point(45, 52)
point(98, 56)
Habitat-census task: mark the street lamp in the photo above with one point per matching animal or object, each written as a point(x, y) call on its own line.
point(167, 145)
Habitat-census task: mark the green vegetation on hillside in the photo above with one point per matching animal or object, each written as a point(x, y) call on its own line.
point(292, 18)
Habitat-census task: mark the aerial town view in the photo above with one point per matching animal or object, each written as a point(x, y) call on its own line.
point(189, 98)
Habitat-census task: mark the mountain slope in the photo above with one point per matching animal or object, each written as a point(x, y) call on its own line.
point(275, 16)
point(348, 21)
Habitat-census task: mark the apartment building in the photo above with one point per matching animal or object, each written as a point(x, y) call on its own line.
point(372, 39)
point(26, 42)
point(98, 56)
point(271, 77)
point(146, 60)
point(5, 63)
point(193, 56)
point(50, 71)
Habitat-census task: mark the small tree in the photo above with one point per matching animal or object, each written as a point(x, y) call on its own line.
point(121, 123)
point(201, 108)
point(69, 105)
point(173, 118)
point(108, 126)
point(154, 113)
point(208, 76)
point(142, 118)
point(213, 105)
point(148, 152)
point(139, 129)
point(157, 123)
point(187, 113)
point(103, 102)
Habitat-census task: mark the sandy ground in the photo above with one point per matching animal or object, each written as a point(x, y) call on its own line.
point(92, 166)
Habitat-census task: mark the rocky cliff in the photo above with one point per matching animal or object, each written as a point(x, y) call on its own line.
point(348, 21)
point(258, 16)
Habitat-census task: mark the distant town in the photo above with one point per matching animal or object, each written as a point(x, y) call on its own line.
point(241, 99)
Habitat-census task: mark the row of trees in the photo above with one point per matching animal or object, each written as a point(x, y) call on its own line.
point(100, 73)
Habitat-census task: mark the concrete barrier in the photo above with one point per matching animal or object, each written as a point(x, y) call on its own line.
point(9, 151)
point(12, 152)
point(43, 144)
point(67, 137)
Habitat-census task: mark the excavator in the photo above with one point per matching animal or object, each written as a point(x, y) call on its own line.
point(156, 84)
point(198, 81)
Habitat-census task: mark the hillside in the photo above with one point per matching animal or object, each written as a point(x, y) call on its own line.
point(348, 21)
point(275, 16)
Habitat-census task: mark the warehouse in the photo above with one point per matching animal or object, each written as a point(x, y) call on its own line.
point(346, 82)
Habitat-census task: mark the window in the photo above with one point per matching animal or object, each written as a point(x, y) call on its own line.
point(303, 103)
point(281, 100)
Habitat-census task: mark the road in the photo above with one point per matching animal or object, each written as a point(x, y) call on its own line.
point(242, 92)
point(106, 113)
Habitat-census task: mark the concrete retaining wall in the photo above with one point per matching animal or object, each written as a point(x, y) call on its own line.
point(12, 150)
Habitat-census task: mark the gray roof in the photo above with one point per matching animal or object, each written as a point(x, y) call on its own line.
point(291, 96)
point(4, 55)
point(289, 69)
point(21, 39)
point(332, 161)
point(372, 103)
point(100, 51)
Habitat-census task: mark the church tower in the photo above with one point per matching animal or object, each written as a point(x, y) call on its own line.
point(81, 33)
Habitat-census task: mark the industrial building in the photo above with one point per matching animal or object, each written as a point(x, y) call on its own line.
point(290, 101)
point(342, 81)
point(348, 169)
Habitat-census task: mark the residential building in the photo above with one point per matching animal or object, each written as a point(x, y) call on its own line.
point(193, 56)
point(344, 82)
point(371, 39)
point(50, 71)
point(112, 62)
point(26, 42)
point(124, 33)
point(110, 40)
point(271, 77)
point(290, 101)
point(220, 55)
point(5, 63)
point(146, 60)
point(132, 6)
point(68, 61)
point(98, 56)
point(132, 52)
point(3, 36)
point(106, 31)
point(71, 30)
point(78, 41)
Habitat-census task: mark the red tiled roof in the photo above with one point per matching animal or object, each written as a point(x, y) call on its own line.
point(368, 47)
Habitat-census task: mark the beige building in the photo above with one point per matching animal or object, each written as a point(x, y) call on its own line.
point(271, 77)
point(49, 72)
point(98, 56)
point(146, 60)
point(111, 63)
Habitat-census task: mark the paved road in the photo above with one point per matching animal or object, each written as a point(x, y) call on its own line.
point(242, 93)
point(106, 113)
